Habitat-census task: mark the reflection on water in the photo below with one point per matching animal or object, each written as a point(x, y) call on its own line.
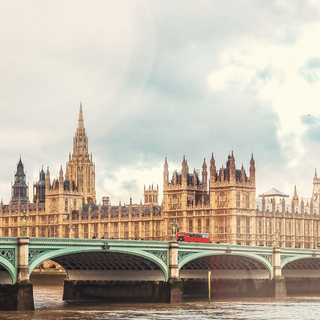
point(49, 305)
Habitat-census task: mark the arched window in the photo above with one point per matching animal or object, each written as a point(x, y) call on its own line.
point(199, 225)
point(238, 200)
point(80, 145)
point(222, 199)
point(247, 200)
point(66, 205)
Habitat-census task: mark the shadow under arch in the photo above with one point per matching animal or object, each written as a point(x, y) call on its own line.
point(291, 260)
point(301, 267)
point(229, 261)
point(57, 255)
point(7, 267)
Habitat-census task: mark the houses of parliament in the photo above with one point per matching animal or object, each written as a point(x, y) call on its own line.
point(221, 202)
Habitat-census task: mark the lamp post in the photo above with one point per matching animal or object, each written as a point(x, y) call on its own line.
point(24, 218)
point(209, 286)
point(71, 230)
point(174, 227)
point(277, 233)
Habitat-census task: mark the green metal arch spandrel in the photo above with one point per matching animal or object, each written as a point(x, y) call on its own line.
point(12, 269)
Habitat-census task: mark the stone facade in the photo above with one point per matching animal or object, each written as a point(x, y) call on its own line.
point(221, 202)
point(229, 202)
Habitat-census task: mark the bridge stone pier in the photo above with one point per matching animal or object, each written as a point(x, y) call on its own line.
point(18, 293)
point(278, 280)
point(155, 271)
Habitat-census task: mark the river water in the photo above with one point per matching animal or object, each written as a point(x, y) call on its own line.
point(49, 305)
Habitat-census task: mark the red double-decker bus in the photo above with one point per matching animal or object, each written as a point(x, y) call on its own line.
point(193, 237)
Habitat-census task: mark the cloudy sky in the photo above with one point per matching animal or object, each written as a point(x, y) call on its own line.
point(161, 79)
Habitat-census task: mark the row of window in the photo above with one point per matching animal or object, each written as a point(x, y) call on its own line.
point(222, 199)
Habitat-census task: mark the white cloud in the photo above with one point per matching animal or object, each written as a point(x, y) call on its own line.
point(273, 72)
point(118, 186)
point(158, 80)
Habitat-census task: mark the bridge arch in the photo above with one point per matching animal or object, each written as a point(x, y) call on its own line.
point(8, 273)
point(232, 261)
point(139, 258)
point(292, 259)
point(299, 266)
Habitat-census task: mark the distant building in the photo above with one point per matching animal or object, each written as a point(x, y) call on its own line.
point(66, 206)
point(19, 188)
point(221, 202)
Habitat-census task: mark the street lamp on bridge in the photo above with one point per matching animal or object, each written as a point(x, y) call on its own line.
point(174, 227)
point(24, 218)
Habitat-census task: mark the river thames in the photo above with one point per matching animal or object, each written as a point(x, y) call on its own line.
point(48, 305)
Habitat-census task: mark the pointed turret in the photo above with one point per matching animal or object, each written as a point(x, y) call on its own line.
point(80, 120)
point(194, 178)
point(212, 169)
point(48, 179)
point(204, 175)
point(232, 168)
point(165, 173)
point(61, 173)
point(61, 179)
point(175, 178)
point(184, 173)
point(20, 188)
point(40, 187)
point(185, 167)
point(316, 187)
point(80, 141)
point(222, 174)
point(283, 205)
point(252, 170)
point(302, 206)
point(242, 175)
point(295, 199)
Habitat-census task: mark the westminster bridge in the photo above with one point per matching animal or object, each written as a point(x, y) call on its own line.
point(162, 271)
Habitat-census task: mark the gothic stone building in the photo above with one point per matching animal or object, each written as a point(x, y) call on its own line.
point(221, 202)
point(66, 206)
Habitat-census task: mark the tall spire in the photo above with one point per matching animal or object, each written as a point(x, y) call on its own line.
point(204, 175)
point(252, 171)
point(80, 121)
point(80, 141)
point(165, 173)
point(80, 169)
point(295, 198)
